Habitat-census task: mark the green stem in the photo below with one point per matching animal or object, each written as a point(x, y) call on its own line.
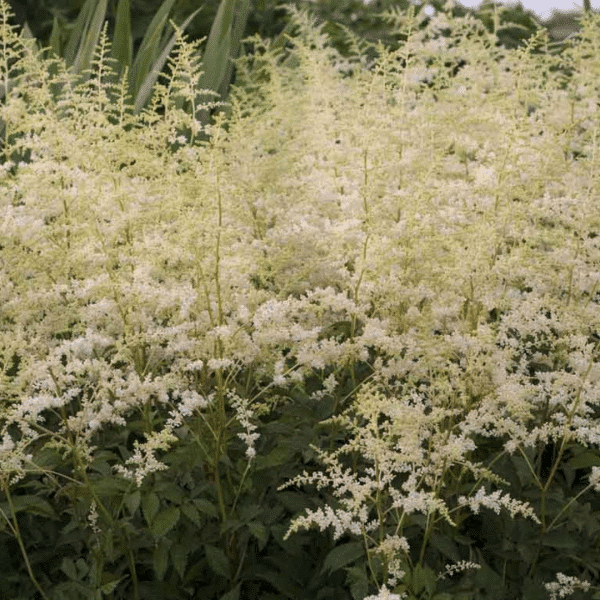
point(17, 532)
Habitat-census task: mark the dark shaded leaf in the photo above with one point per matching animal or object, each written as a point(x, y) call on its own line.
point(150, 504)
point(132, 501)
point(165, 520)
point(233, 594)
point(357, 580)
point(218, 561)
point(160, 560)
point(179, 554)
point(343, 555)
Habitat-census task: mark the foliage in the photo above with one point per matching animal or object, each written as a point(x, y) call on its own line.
point(342, 346)
point(222, 44)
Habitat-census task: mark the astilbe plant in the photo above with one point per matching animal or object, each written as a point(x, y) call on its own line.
point(413, 254)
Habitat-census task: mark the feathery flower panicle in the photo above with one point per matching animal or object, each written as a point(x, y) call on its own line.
point(385, 594)
point(565, 586)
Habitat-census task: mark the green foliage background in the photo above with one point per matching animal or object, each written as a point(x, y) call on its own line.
point(268, 20)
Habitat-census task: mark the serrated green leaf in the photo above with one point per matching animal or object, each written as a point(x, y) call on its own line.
point(179, 555)
point(358, 582)
point(584, 459)
point(233, 594)
point(560, 539)
point(423, 578)
point(296, 502)
point(343, 555)
point(160, 560)
point(522, 469)
point(445, 544)
point(110, 582)
point(217, 561)
point(109, 486)
point(132, 501)
point(206, 507)
point(165, 520)
point(280, 455)
point(150, 504)
point(29, 504)
point(191, 512)
point(67, 566)
point(259, 531)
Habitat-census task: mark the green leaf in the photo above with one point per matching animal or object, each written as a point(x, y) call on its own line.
point(109, 486)
point(29, 504)
point(67, 566)
point(165, 520)
point(280, 455)
point(259, 531)
point(233, 594)
point(110, 582)
point(216, 53)
point(122, 44)
point(152, 55)
point(223, 44)
point(191, 512)
point(522, 469)
point(218, 561)
point(423, 578)
point(560, 539)
point(132, 501)
point(358, 582)
point(160, 560)
point(179, 554)
point(584, 459)
point(55, 37)
point(295, 502)
point(79, 28)
point(150, 504)
point(445, 544)
point(85, 35)
point(343, 555)
point(206, 507)
point(149, 48)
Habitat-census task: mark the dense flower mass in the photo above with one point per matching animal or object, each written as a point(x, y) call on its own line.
point(433, 268)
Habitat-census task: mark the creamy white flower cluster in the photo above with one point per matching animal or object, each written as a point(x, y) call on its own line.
point(244, 414)
point(385, 594)
point(565, 586)
point(144, 461)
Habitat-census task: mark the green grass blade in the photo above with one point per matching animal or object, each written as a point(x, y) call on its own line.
point(77, 32)
point(122, 44)
point(216, 53)
point(84, 57)
point(237, 34)
point(55, 38)
point(84, 37)
point(143, 93)
point(223, 43)
point(149, 49)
